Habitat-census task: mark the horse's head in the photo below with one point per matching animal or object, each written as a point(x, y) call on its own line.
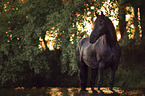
point(99, 28)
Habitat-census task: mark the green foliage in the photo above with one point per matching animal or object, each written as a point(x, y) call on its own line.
point(65, 21)
point(20, 33)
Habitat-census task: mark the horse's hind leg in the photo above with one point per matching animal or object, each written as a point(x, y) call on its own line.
point(83, 71)
point(93, 77)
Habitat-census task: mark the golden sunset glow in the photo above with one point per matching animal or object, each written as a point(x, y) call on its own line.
point(49, 38)
point(49, 41)
point(87, 25)
point(129, 17)
point(57, 91)
point(118, 36)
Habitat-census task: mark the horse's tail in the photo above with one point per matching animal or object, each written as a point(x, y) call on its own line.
point(78, 55)
point(79, 51)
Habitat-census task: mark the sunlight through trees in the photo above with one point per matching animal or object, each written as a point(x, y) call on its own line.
point(37, 33)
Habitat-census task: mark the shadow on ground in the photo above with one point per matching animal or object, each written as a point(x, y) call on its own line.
point(57, 91)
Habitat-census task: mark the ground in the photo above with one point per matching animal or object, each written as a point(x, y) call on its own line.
point(57, 91)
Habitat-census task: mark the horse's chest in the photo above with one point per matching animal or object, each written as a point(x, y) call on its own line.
point(89, 57)
point(88, 51)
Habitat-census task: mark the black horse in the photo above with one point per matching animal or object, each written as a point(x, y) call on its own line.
point(99, 51)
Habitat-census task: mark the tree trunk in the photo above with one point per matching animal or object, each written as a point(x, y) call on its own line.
point(142, 17)
point(122, 22)
point(136, 23)
point(43, 37)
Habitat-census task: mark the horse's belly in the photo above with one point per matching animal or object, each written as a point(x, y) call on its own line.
point(110, 60)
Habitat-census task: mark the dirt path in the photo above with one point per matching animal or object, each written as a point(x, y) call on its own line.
point(103, 92)
point(57, 91)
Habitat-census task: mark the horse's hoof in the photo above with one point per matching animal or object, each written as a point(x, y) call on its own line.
point(83, 91)
point(98, 88)
point(94, 91)
point(111, 88)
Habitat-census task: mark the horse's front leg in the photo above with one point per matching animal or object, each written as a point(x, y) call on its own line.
point(93, 77)
point(100, 79)
point(112, 76)
point(83, 71)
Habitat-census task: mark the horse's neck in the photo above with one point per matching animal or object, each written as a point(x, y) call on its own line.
point(110, 34)
point(110, 39)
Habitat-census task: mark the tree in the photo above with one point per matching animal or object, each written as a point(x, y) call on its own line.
point(21, 26)
point(24, 22)
point(136, 4)
point(142, 16)
point(122, 22)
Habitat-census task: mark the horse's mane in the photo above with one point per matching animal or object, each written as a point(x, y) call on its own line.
point(111, 29)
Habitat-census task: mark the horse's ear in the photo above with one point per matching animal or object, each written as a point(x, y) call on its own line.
point(96, 13)
point(102, 13)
